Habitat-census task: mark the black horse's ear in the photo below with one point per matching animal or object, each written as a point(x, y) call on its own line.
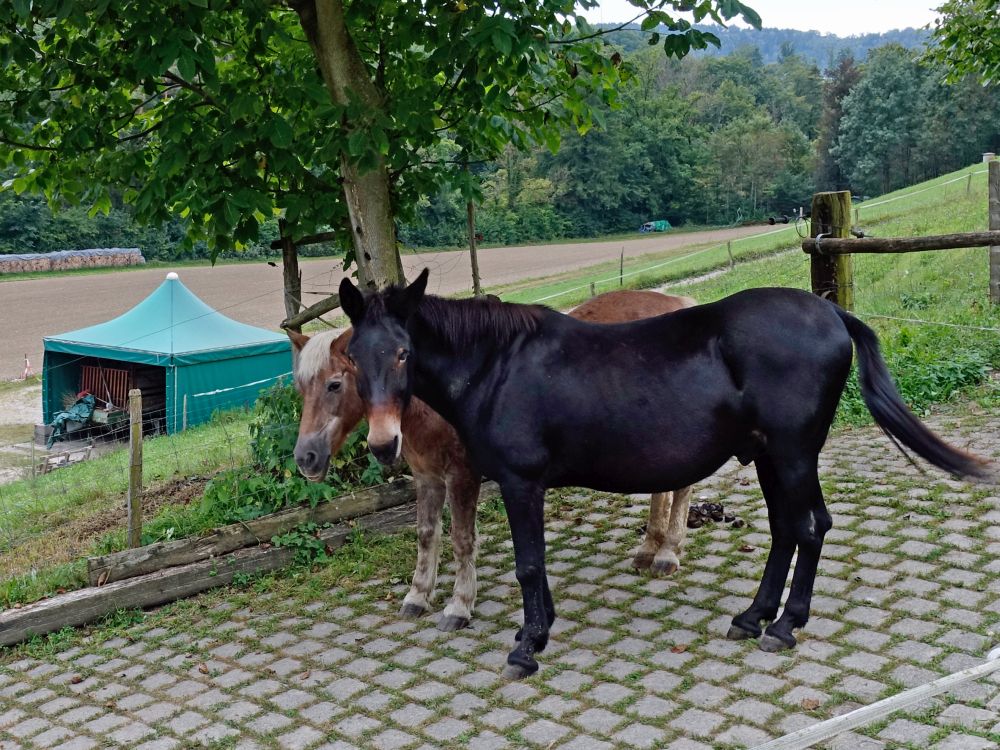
point(352, 301)
point(403, 302)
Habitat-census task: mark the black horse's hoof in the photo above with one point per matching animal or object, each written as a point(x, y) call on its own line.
point(451, 623)
point(412, 611)
point(519, 671)
point(739, 633)
point(772, 644)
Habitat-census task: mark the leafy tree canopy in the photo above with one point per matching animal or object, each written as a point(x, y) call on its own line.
point(966, 39)
point(227, 113)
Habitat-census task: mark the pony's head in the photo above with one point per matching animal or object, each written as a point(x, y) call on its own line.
point(381, 350)
point(331, 406)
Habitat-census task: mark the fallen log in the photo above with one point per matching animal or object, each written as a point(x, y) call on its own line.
point(170, 584)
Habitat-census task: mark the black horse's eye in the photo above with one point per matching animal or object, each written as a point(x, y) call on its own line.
point(333, 386)
point(403, 354)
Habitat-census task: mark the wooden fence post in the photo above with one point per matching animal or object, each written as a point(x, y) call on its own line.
point(134, 527)
point(729, 249)
point(832, 275)
point(994, 177)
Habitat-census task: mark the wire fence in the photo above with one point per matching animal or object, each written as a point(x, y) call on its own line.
point(61, 504)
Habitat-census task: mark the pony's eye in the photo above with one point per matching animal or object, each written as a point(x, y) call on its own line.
point(333, 386)
point(403, 354)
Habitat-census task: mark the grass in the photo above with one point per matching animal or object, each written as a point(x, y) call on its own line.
point(45, 520)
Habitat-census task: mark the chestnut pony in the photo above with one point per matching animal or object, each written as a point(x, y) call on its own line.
point(442, 470)
point(541, 400)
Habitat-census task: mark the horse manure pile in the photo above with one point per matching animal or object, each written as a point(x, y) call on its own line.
point(700, 514)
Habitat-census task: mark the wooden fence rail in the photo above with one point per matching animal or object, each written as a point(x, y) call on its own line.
point(831, 247)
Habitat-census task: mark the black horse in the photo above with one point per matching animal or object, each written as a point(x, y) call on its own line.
point(542, 400)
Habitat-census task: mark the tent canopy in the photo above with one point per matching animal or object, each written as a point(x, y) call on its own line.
point(170, 327)
point(193, 359)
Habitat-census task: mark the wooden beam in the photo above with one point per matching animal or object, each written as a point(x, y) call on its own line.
point(312, 312)
point(118, 566)
point(830, 246)
point(90, 604)
point(133, 514)
point(309, 239)
point(832, 275)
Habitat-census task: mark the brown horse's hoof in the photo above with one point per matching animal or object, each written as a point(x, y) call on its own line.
point(736, 633)
point(412, 611)
point(451, 623)
point(772, 644)
point(665, 566)
point(642, 562)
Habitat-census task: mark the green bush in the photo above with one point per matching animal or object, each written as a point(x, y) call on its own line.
point(271, 481)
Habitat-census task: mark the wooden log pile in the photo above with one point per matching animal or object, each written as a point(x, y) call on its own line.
point(70, 260)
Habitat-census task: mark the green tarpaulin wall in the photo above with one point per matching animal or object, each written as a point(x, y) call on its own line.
point(215, 361)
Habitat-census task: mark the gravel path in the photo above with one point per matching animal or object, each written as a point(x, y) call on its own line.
point(251, 292)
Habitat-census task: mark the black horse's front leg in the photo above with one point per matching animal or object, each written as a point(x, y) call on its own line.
point(525, 514)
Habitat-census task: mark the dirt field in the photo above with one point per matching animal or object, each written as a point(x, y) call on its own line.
point(251, 293)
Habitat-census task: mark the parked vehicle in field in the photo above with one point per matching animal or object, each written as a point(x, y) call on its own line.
point(661, 225)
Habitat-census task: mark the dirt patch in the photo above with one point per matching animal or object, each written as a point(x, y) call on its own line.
point(252, 292)
point(21, 405)
point(70, 539)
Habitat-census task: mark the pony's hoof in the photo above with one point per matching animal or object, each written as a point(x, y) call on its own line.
point(518, 671)
point(642, 562)
point(772, 644)
point(412, 611)
point(736, 633)
point(664, 567)
point(451, 623)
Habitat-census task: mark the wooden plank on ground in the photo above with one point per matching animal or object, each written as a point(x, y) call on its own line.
point(119, 566)
point(170, 584)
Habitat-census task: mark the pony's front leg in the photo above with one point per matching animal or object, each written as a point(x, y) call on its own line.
point(525, 514)
point(463, 497)
point(430, 501)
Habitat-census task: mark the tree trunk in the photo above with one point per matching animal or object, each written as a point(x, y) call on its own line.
point(367, 194)
point(291, 275)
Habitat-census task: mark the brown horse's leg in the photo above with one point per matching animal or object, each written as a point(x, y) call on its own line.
point(430, 501)
point(668, 557)
point(463, 496)
point(656, 530)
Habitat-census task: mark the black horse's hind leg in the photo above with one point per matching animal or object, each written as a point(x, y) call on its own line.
point(810, 523)
point(525, 514)
point(798, 519)
point(768, 598)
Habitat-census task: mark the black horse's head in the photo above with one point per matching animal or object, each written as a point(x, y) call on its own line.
point(380, 349)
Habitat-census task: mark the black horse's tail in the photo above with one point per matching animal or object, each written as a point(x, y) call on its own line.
point(892, 415)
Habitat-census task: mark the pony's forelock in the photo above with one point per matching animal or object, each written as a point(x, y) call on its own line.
point(314, 357)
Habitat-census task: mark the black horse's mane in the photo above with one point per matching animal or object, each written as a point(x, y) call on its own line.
point(464, 322)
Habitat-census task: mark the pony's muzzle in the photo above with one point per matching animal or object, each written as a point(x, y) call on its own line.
point(313, 459)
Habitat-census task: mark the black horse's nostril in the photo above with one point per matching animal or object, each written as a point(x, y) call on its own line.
point(386, 453)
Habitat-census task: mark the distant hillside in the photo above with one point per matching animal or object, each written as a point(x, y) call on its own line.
point(814, 46)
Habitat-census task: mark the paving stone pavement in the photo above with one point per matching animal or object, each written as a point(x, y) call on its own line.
point(907, 592)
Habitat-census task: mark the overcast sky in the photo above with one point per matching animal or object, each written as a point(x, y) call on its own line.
point(843, 17)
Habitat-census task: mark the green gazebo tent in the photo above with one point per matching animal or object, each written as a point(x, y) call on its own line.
point(188, 359)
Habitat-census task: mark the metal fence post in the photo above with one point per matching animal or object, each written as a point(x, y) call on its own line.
point(134, 510)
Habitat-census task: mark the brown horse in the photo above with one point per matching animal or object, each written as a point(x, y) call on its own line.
point(441, 468)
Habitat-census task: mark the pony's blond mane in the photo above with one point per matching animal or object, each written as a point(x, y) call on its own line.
point(315, 356)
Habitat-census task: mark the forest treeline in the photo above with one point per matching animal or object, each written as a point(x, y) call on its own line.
point(708, 140)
